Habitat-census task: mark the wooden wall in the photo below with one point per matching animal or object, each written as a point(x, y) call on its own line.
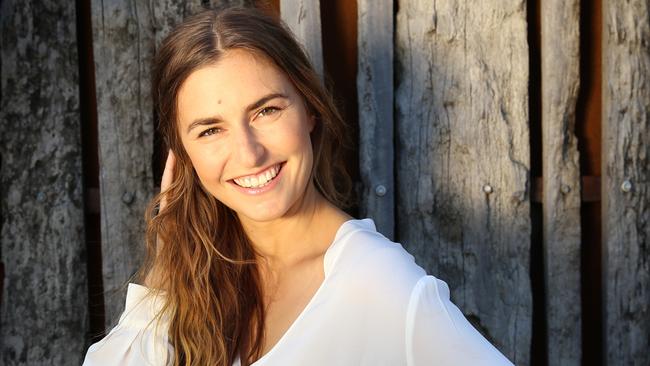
point(44, 302)
point(560, 72)
point(626, 182)
point(478, 129)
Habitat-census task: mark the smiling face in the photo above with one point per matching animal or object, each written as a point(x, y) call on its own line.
point(246, 131)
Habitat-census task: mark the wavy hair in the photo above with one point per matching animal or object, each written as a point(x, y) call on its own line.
point(204, 262)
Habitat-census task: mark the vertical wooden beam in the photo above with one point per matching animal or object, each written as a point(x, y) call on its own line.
point(463, 158)
point(375, 93)
point(626, 181)
point(560, 51)
point(44, 310)
point(123, 43)
point(303, 18)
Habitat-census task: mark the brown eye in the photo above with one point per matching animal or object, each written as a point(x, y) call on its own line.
point(210, 131)
point(266, 111)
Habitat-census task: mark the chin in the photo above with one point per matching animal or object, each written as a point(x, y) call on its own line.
point(278, 208)
point(261, 215)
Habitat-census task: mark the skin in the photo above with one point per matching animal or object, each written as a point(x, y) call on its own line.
point(234, 141)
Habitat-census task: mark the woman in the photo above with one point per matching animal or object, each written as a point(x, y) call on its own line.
point(251, 260)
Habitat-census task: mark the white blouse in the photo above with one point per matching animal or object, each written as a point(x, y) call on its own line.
point(374, 307)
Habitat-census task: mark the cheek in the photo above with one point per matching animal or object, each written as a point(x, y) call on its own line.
point(289, 142)
point(297, 137)
point(206, 163)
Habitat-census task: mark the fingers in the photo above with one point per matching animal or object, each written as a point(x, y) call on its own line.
point(167, 177)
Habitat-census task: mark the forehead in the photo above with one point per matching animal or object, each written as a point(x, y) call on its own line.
point(238, 79)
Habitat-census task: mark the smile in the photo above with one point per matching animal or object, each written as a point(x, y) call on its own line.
point(259, 180)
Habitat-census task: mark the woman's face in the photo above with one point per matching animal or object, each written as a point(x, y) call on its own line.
point(247, 132)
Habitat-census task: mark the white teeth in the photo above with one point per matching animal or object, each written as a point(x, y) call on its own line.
point(262, 180)
point(259, 180)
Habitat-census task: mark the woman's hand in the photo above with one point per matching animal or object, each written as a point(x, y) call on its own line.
point(165, 182)
point(168, 175)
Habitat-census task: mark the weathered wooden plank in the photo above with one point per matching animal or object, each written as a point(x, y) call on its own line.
point(123, 43)
point(463, 158)
point(303, 18)
point(626, 181)
point(375, 92)
point(125, 35)
point(44, 316)
point(560, 51)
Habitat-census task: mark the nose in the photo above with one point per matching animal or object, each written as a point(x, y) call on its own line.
point(247, 147)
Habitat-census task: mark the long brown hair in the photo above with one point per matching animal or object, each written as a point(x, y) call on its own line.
point(206, 263)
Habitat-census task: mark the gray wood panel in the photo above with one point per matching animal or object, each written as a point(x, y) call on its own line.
point(123, 42)
point(375, 93)
point(303, 18)
point(463, 158)
point(125, 35)
point(560, 51)
point(626, 181)
point(44, 311)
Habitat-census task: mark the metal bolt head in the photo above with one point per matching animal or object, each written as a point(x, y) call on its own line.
point(380, 190)
point(565, 188)
point(487, 189)
point(626, 186)
point(128, 197)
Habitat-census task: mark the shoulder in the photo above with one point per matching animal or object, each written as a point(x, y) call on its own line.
point(140, 337)
point(368, 259)
point(361, 246)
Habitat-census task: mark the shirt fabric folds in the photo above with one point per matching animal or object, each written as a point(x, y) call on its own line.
point(376, 306)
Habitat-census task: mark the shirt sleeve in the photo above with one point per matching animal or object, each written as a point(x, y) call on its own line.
point(138, 338)
point(437, 333)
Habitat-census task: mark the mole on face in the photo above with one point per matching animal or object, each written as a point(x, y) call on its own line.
point(219, 101)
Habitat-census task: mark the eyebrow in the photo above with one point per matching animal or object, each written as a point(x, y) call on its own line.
point(212, 120)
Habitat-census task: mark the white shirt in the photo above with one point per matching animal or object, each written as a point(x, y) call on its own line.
point(374, 307)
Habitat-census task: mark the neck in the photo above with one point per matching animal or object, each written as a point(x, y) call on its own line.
point(291, 238)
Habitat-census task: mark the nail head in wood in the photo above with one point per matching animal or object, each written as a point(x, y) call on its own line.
point(487, 189)
point(380, 190)
point(626, 186)
point(128, 197)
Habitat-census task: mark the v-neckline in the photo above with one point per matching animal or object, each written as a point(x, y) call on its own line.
point(328, 263)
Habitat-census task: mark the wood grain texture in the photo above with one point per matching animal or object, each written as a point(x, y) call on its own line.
point(463, 158)
point(375, 93)
point(303, 18)
point(560, 63)
point(626, 212)
point(44, 315)
point(125, 35)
